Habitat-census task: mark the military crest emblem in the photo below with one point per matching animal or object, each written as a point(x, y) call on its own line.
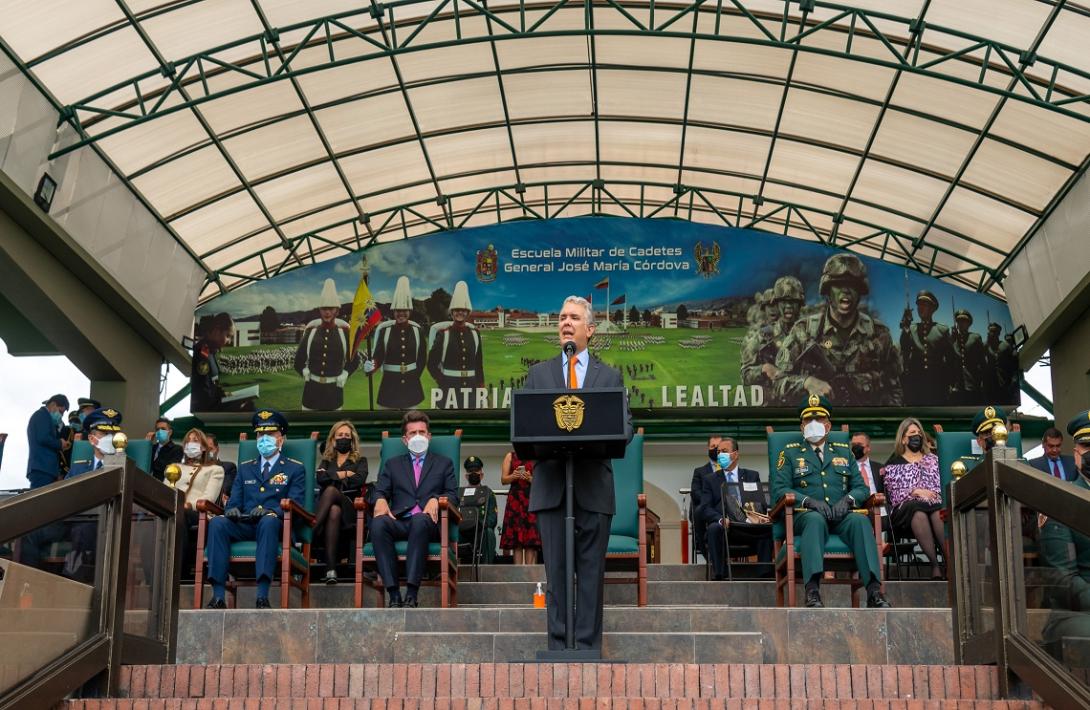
point(569, 411)
point(814, 400)
point(111, 413)
point(264, 415)
point(989, 412)
point(488, 264)
point(707, 259)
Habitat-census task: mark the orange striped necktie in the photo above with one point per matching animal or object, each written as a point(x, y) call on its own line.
point(573, 382)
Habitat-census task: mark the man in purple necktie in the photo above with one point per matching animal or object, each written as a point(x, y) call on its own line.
point(1061, 466)
point(407, 507)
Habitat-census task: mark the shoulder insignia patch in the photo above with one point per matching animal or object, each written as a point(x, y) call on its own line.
point(840, 444)
point(781, 460)
point(248, 461)
point(294, 460)
point(793, 445)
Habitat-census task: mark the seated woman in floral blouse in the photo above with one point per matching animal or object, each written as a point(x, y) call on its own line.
point(913, 489)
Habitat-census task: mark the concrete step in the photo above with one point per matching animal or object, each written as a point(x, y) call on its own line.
point(907, 636)
point(926, 595)
point(538, 703)
point(478, 684)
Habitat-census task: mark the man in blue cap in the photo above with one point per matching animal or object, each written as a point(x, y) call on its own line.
point(101, 425)
point(43, 433)
point(828, 487)
point(253, 510)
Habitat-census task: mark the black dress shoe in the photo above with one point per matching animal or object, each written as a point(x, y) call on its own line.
point(876, 600)
point(217, 604)
point(813, 599)
point(263, 603)
point(395, 603)
point(410, 603)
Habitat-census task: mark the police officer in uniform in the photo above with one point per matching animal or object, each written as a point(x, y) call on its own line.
point(827, 485)
point(253, 510)
point(968, 380)
point(206, 393)
point(323, 356)
point(839, 351)
point(400, 354)
point(927, 353)
point(455, 358)
point(1065, 554)
point(762, 345)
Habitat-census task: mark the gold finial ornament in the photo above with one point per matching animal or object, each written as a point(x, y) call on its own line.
point(999, 433)
point(172, 473)
point(957, 469)
point(121, 442)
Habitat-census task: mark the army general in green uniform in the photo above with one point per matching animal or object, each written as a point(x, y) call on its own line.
point(839, 351)
point(827, 485)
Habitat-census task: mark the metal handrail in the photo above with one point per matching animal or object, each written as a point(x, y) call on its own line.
point(97, 660)
point(1004, 485)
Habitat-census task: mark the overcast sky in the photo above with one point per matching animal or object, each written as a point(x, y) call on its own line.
point(29, 380)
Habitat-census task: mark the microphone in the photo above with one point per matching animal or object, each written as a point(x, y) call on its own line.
point(569, 348)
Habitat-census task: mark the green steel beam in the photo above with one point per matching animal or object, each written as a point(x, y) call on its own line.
point(395, 213)
point(1037, 396)
point(173, 399)
point(261, 72)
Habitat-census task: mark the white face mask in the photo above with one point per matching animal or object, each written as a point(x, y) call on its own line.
point(192, 450)
point(418, 444)
point(814, 431)
point(105, 444)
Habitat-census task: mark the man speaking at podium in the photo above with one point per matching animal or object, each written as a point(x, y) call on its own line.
point(575, 368)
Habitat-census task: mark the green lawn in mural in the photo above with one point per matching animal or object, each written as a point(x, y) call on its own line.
point(648, 357)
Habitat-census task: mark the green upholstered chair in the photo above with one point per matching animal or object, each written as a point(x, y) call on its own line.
point(444, 552)
point(838, 557)
point(294, 562)
point(628, 532)
point(952, 445)
point(138, 451)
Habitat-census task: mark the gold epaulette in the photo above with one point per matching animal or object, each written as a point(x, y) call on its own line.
point(294, 460)
point(243, 463)
point(793, 445)
point(840, 444)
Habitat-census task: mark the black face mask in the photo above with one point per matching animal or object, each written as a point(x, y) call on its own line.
point(713, 454)
point(857, 452)
point(915, 443)
point(343, 446)
point(474, 479)
point(989, 443)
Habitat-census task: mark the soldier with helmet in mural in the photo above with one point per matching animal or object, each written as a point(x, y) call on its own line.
point(323, 355)
point(967, 386)
point(927, 354)
point(455, 357)
point(839, 351)
point(399, 353)
point(762, 346)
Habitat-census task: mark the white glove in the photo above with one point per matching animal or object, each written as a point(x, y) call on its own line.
point(368, 366)
point(306, 374)
point(342, 378)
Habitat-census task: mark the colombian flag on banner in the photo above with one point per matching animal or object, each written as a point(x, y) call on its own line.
point(617, 301)
point(365, 316)
point(604, 283)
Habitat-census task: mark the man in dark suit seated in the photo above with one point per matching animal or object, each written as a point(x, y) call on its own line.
point(724, 496)
point(699, 528)
point(407, 507)
point(1053, 462)
point(594, 500)
point(253, 510)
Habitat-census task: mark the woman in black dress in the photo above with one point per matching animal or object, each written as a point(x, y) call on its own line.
point(519, 524)
point(342, 475)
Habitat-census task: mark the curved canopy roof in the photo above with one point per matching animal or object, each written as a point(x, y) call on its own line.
point(272, 133)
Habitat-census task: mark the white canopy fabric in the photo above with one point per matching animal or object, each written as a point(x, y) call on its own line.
point(269, 134)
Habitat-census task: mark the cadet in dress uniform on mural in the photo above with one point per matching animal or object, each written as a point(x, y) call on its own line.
point(400, 354)
point(323, 355)
point(207, 395)
point(455, 357)
point(839, 351)
point(1000, 367)
point(927, 353)
point(968, 372)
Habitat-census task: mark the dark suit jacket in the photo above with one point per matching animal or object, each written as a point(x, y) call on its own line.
point(1068, 463)
point(593, 477)
point(162, 455)
point(230, 470)
point(711, 508)
point(45, 443)
point(695, 489)
point(397, 484)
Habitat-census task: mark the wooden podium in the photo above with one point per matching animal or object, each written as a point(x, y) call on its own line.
point(566, 424)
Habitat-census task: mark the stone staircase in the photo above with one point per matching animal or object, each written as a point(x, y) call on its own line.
point(699, 644)
point(575, 686)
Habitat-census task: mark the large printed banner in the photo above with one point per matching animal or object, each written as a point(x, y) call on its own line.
point(693, 316)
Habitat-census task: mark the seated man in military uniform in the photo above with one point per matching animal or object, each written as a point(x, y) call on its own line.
point(827, 485)
point(253, 510)
point(983, 423)
point(1066, 555)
